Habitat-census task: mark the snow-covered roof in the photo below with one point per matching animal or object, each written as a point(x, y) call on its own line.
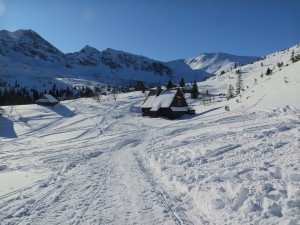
point(163, 100)
point(47, 98)
point(188, 87)
point(149, 102)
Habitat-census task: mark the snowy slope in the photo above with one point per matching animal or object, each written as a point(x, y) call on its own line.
point(254, 75)
point(26, 56)
point(217, 62)
point(84, 162)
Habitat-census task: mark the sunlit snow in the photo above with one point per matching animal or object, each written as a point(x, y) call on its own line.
point(85, 162)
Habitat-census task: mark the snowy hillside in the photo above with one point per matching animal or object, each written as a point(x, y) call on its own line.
point(217, 62)
point(26, 56)
point(84, 162)
point(281, 82)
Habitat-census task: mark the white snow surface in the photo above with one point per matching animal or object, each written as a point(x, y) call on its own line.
point(84, 162)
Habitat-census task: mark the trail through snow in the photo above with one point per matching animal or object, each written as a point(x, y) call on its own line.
point(102, 163)
point(85, 168)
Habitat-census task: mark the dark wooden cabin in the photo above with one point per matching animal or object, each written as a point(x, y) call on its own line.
point(167, 103)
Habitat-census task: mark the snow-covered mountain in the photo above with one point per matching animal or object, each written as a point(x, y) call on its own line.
point(85, 162)
point(25, 55)
point(217, 62)
point(254, 76)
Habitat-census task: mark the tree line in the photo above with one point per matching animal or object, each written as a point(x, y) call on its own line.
point(16, 95)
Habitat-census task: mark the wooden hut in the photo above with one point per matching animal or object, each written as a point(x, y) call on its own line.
point(167, 103)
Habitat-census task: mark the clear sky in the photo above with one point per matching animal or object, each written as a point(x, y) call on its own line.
point(159, 29)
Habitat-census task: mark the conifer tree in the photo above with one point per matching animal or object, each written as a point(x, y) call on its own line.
point(170, 84)
point(194, 91)
point(293, 56)
point(182, 83)
point(239, 84)
point(269, 71)
point(230, 93)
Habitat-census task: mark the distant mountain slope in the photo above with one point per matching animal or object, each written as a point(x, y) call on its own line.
point(216, 62)
point(25, 55)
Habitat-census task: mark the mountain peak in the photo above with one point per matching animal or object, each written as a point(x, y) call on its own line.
point(23, 33)
point(28, 43)
point(88, 48)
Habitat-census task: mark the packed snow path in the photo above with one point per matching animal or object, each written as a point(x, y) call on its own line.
point(84, 162)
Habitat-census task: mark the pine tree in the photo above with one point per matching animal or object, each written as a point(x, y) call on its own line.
point(182, 83)
point(170, 84)
point(230, 93)
point(115, 94)
point(269, 71)
point(279, 64)
point(297, 58)
point(239, 84)
point(293, 56)
point(235, 65)
point(194, 91)
point(57, 93)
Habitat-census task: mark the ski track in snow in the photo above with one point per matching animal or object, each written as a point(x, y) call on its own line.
point(86, 178)
point(105, 164)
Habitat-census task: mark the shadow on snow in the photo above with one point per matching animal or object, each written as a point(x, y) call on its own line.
point(186, 117)
point(210, 110)
point(61, 110)
point(7, 128)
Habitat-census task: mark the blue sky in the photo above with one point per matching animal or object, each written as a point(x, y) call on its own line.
point(159, 29)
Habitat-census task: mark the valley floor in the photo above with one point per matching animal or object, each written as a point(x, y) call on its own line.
point(84, 162)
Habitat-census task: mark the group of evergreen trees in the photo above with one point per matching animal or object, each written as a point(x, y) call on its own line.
point(12, 96)
point(239, 87)
point(16, 95)
point(194, 91)
point(295, 58)
point(171, 84)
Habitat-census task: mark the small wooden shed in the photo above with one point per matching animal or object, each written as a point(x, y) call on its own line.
point(47, 100)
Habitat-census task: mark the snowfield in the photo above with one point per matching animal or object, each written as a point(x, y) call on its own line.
point(84, 162)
